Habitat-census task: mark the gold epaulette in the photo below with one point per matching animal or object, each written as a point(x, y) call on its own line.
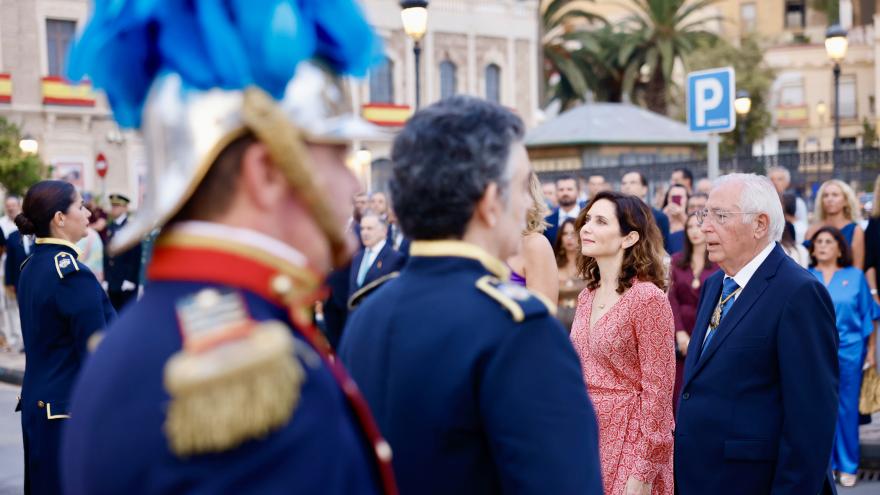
point(520, 302)
point(361, 293)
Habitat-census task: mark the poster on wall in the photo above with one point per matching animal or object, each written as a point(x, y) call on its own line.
point(69, 171)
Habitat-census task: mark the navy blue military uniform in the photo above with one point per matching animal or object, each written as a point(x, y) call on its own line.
point(472, 381)
point(110, 424)
point(122, 267)
point(15, 256)
point(61, 305)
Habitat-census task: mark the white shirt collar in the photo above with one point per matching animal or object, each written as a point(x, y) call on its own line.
point(248, 237)
point(746, 273)
point(572, 213)
point(121, 218)
point(377, 248)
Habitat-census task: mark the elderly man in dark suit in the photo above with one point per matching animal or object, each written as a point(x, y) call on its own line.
point(377, 258)
point(759, 401)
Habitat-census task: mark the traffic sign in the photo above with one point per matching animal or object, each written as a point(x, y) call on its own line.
point(101, 165)
point(710, 96)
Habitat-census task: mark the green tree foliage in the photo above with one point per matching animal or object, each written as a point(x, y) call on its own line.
point(831, 8)
point(18, 171)
point(752, 74)
point(869, 134)
point(563, 71)
point(659, 34)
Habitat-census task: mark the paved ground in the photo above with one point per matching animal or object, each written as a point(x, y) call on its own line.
point(11, 457)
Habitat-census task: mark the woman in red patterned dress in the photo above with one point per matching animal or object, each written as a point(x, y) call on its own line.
point(623, 332)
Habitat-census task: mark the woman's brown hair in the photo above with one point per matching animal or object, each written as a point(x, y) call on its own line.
point(644, 259)
point(845, 258)
point(558, 248)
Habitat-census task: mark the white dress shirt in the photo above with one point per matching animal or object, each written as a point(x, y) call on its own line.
point(746, 273)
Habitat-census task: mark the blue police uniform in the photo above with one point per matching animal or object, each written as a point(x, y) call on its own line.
point(61, 305)
point(15, 256)
point(121, 267)
point(110, 424)
point(472, 381)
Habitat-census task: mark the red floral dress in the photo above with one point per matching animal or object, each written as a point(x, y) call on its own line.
point(629, 367)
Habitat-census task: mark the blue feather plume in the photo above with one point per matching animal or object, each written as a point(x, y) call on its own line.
point(228, 44)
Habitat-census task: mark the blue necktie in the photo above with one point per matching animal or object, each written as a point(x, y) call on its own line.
point(729, 286)
point(365, 267)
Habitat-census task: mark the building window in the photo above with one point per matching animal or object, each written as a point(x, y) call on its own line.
point(795, 14)
point(788, 146)
point(448, 79)
point(747, 17)
point(382, 82)
point(848, 107)
point(792, 95)
point(493, 83)
point(848, 143)
point(59, 36)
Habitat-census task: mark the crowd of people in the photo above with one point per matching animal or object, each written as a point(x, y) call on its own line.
point(469, 330)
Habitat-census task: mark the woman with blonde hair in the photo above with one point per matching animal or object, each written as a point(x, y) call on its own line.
point(837, 206)
point(623, 333)
point(535, 265)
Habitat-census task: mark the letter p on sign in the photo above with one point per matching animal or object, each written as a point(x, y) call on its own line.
point(710, 96)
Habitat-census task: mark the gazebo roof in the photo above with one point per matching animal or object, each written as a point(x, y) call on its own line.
point(611, 123)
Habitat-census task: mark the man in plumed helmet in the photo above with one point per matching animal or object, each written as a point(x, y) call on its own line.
point(216, 381)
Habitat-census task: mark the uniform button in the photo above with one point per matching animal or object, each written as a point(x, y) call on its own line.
point(383, 451)
point(686, 395)
point(41, 404)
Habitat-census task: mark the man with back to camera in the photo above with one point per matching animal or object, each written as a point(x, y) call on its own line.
point(758, 405)
point(472, 380)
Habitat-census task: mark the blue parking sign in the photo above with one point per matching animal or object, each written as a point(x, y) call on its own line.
point(710, 95)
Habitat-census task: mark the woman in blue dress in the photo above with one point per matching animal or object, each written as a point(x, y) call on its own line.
point(838, 207)
point(855, 310)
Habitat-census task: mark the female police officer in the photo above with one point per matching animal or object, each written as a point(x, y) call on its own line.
point(62, 305)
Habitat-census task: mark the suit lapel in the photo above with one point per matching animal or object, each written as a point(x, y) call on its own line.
point(707, 305)
point(755, 287)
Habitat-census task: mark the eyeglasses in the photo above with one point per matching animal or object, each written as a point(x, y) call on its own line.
point(718, 217)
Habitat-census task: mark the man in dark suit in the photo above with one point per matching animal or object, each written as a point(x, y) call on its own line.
point(121, 270)
point(377, 258)
point(567, 192)
point(758, 405)
point(636, 184)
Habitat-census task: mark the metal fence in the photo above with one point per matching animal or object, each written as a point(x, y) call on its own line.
point(859, 166)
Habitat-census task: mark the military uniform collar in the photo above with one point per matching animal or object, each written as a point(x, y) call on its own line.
point(59, 242)
point(236, 257)
point(460, 249)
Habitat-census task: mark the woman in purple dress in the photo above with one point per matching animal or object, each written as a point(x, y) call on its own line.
point(535, 265)
point(688, 271)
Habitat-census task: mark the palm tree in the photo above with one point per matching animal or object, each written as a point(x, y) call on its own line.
point(660, 33)
point(564, 74)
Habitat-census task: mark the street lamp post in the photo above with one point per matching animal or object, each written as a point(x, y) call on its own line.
point(28, 145)
point(835, 46)
point(742, 104)
point(414, 14)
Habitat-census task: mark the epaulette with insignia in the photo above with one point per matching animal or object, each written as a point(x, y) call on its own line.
point(516, 299)
point(235, 379)
point(360, 294)
point(65, 264)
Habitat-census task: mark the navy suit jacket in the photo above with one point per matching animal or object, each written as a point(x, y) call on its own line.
point(663, 224)
point(553, 220)
point(388, 261)
point(758, 408)
point(15, 256)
